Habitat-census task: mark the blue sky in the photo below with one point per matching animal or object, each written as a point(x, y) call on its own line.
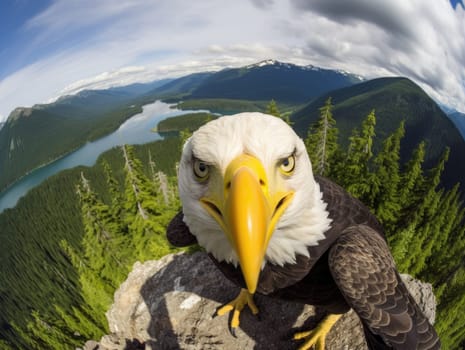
point(53, 47)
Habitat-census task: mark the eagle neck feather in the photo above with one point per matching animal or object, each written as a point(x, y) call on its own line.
point(300, 227)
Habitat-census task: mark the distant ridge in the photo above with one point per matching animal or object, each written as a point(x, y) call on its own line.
point(180, 87)
point(271, 79)
point(459, 120)
point(271, 62)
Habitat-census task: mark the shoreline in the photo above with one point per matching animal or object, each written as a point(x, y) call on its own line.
point(8, 186)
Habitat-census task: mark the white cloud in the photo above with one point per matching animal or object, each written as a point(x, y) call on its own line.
point(100, 44)
point(423, 40)
point(105, 80)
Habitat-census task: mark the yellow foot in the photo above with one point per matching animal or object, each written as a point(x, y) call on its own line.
point(317, 337)
point(244, 298)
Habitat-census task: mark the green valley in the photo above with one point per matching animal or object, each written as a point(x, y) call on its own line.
point(53, 130)
point(56, 129)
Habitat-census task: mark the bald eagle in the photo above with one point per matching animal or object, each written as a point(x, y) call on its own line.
point(250, 199)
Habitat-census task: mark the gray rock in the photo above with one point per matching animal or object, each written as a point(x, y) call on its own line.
point(423, 295)
point(170, 303)
point(90, 345)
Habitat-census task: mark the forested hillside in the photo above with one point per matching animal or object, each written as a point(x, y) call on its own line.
point(87, 226)
point(424, 223)
point(45, 299)
point(190, 121)
point(56, 129)
point(394, 100)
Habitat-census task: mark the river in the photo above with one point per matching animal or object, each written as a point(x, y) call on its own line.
point(135, 130)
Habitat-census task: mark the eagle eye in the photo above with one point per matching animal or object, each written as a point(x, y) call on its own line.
point(287, 165)
point(201, 169)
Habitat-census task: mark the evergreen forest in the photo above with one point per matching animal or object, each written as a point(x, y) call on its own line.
point(82, 230)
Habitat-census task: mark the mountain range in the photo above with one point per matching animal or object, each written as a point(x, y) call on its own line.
point(53, 130)
point(273, 80)
point(266, 80)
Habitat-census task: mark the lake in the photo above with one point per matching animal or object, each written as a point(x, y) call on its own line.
point(135, 130)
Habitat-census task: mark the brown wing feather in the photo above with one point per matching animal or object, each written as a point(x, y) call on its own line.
point(178, 233)
point(365, 272)
point(344, 209)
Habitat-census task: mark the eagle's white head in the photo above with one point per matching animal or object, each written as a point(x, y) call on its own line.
point(248, 192)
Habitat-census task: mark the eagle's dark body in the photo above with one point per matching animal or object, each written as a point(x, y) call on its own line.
point(351, 268)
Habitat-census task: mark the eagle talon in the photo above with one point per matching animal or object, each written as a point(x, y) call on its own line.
point(317, 337)
point(233, 332)
point(236, 306)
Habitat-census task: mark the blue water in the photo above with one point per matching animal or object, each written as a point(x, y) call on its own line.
point(136, 130)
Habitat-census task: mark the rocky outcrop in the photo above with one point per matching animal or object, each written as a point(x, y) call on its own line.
point(170, 303)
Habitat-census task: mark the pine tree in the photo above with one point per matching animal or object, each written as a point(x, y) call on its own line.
point(160, 180)
point(321, 141)
point(272, 109)
point(139, 195)
point(358, 179)
point(384, 194)
point(412, 179)
point(445, 223)
point(426, 215)
point(114, 191)
point(400, 245)
point(145, 214)
point(410, 193)
point(184, 136)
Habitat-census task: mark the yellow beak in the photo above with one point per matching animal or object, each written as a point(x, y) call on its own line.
point(248, 213)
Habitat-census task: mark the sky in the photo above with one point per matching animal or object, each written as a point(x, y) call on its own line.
point(50, 48)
